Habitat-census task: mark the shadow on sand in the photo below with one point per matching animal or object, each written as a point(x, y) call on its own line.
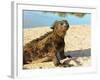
point(75, 57)
point(79, 53)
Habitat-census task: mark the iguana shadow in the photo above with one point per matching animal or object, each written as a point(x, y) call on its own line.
point(75, 55)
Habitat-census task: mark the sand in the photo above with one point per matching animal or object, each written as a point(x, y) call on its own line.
point(77, 44)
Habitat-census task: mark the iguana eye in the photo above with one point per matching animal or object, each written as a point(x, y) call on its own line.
point(61, 23)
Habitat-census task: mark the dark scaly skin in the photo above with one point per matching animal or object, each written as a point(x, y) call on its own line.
point(49, 45)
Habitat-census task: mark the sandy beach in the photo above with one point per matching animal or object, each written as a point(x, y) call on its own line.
point(77, 44)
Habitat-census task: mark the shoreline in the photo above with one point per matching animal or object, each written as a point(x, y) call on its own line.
point(73, 25)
